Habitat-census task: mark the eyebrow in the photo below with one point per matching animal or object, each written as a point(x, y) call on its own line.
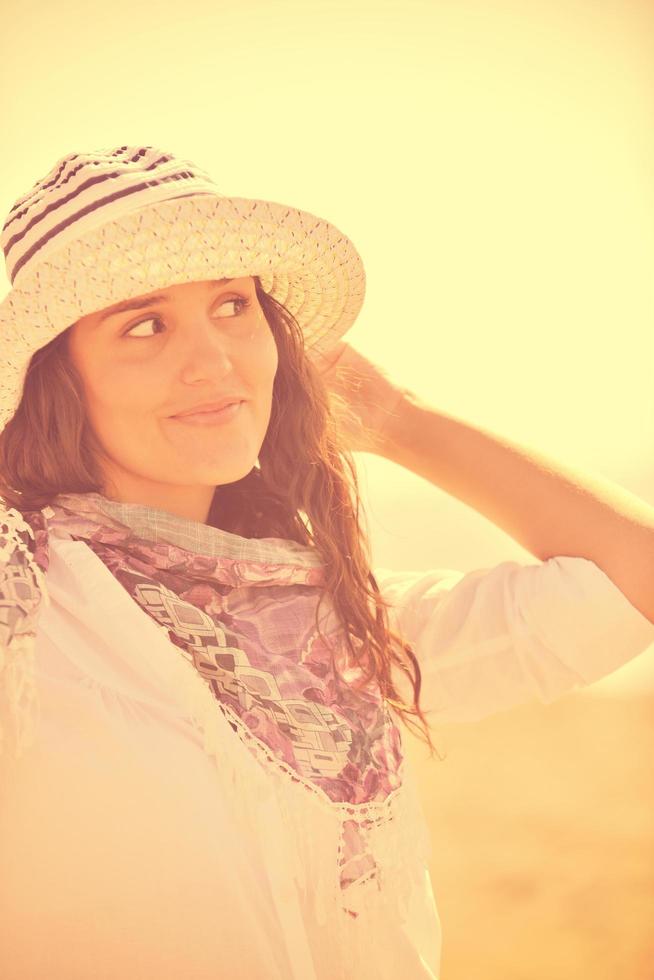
point(141, 304)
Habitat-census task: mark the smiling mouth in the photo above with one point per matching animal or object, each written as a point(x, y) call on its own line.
point(210, 418)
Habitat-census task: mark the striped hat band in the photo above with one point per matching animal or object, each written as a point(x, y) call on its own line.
point(115, 224)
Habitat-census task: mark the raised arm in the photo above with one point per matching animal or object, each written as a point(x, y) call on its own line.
point(493, 638)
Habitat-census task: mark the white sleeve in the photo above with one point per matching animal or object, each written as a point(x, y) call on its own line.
point(493, 638)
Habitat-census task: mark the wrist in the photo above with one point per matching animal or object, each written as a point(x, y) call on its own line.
point(401, 423)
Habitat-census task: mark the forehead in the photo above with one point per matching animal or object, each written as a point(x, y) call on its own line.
point(168, 294)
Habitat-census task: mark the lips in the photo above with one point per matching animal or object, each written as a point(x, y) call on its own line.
point(209, 407)
point(221, 417)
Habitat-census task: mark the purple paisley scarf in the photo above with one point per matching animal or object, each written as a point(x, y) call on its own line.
point(242, 611)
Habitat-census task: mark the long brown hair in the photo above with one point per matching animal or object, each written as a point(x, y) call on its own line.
point(305, 487)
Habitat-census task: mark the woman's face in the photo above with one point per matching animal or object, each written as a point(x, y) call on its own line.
point(190, 343)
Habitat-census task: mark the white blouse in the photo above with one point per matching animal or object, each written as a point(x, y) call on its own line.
point(122, 852)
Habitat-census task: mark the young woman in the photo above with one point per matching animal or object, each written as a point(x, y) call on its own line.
point(200, 705)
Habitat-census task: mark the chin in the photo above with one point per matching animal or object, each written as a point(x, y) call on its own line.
point(234, 474)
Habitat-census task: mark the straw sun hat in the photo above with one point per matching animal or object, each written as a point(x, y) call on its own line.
point(113, 224)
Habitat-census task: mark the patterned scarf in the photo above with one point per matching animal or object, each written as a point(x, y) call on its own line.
point(242, 611)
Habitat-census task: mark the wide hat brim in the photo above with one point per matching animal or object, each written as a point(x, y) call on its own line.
point(303, 261)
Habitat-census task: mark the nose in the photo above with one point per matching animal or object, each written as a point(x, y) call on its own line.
point(205, 343)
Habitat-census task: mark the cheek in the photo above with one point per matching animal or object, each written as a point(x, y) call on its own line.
point(121, 397)
point(269, 355)
point(273, 358)
point(123, 385)
point(264, 355)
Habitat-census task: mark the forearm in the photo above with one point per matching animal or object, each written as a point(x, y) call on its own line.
point(547, 507)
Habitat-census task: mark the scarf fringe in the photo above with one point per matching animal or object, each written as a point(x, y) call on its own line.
point(20, 707)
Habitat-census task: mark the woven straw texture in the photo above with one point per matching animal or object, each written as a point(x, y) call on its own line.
point(303, 261)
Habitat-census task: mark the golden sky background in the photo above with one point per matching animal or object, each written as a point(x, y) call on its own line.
point(492, 161)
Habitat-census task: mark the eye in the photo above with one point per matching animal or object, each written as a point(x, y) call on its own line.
point(242, 301)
